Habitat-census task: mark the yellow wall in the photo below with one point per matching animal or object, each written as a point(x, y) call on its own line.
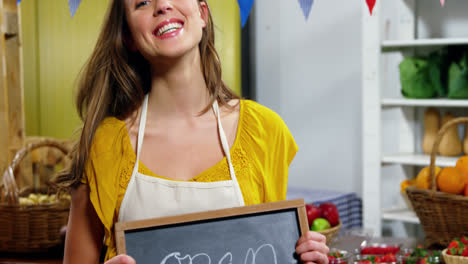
point(55, 47)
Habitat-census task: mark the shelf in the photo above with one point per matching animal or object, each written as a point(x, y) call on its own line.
point(391, 44)
point(396, 102)
point(417, 159)
point(400, 214)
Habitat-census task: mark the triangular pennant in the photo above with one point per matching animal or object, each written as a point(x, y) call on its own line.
point(371, 4)
point(442, 2)
point(73, 4)
point(245, 6)
point(306, 5)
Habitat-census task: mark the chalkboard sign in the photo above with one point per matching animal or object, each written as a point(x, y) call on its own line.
point(256, 234)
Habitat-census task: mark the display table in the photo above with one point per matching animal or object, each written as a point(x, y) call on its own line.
point(348, 243)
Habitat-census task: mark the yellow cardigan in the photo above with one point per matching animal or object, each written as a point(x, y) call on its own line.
point(261, 154)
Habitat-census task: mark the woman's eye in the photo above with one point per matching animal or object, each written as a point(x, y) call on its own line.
point(142, 3)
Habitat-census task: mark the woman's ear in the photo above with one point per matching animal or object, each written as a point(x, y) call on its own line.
point(204, 12)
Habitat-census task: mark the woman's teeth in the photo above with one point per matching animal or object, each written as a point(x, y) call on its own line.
point(171, 27)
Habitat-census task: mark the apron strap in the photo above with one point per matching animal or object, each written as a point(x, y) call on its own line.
point(224, 141)
point(141, 130)
point(140, 136)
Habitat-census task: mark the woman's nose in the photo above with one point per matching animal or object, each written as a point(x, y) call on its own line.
point(162, 7)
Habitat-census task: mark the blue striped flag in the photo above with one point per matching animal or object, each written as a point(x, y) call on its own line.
point(306, 5)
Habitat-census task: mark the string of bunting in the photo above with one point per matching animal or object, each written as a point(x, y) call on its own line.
point(245, 6)
point(72, 4)
point(371, 4)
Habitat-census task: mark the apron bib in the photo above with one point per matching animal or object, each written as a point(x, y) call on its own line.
point(151, 197)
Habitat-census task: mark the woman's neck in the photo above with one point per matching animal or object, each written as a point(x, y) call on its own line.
point(178, 91)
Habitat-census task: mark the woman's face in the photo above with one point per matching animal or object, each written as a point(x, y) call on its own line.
point(165, 28)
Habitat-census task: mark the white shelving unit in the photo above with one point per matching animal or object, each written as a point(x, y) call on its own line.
point(391, 126)
point(411, 43)
point(400, 214)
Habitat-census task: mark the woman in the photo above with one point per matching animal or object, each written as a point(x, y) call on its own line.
point(151, 94)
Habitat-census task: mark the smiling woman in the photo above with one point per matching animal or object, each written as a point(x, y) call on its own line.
point(55, 47)
point(163, 134)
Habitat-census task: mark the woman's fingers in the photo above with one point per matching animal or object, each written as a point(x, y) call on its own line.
point(312, 241)
point(121, 259)
point(312, 248)
point(314, 257)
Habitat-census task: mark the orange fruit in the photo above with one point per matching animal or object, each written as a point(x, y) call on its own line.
point(451, 180)
point(406, 183)
point(423, 180)
point(462, 164)
point(466, 190)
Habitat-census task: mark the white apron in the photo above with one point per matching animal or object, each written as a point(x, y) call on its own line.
point(150, 197)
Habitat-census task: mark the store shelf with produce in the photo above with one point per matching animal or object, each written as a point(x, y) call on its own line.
point(400, 214)
point(417, 159)
point(395, 44)
point(403, 102)
point(392, 126)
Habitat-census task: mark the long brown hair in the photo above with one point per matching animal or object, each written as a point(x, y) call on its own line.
point(115, 80)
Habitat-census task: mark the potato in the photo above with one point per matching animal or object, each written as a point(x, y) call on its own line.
point(43, 199)
point(33, 197)
point(25, 201)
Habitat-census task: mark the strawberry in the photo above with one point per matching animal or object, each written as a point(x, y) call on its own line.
point(364, 262)
point(461, 249)
point(452, 251)
point(423, 261)
point(388, 258)
point(464, 240)
point(454, 244)
point(465, 252)
point(335, 254)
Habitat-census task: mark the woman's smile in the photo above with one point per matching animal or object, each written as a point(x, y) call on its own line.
point(169, 28)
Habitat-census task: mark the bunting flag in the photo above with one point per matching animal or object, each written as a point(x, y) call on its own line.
point(306, 5)
point(442, 2)
point(371, 4)
point(73, 4)
point(245, 6)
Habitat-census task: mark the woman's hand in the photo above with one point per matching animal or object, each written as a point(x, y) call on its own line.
point(121, 259)
point(312, 249)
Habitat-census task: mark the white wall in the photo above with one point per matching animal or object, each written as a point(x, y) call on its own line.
point(309, 72)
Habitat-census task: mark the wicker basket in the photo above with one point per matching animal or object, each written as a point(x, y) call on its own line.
point(331, 233)
point(30, 228)
point(443, 216)
point(449, 259)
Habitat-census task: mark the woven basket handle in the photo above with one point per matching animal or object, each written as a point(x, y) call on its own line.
point(11, 191)
point(435, 147)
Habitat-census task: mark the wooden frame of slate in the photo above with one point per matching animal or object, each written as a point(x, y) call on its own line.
point(263, 233)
